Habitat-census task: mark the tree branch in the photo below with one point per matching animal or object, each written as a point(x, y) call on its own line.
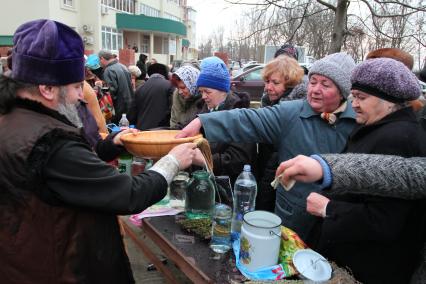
point(301, 22)
point(373, 12)
point(281, 23)
point(328, 5)
point(421, 8)
point(413, 35)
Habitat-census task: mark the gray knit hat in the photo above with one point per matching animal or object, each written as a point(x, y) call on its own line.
point(386, 78)
point(338, 68)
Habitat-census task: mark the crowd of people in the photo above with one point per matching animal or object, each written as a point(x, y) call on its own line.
point(353, 136)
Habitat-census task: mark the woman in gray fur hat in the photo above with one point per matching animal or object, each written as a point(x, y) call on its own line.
point(374, 235)
point(381, 175)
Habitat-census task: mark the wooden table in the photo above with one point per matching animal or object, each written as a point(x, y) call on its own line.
point(196, 260)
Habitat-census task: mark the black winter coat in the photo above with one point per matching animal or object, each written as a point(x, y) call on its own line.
point(230, 158)
point(153, 103)
point(59, 203)
point(421, 115)
point(376, 237)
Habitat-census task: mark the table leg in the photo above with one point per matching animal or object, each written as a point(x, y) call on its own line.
point(149, 254)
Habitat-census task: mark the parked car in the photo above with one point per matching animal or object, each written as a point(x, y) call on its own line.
point(423, 87)
point(250, 62)
point(244, 69)
point(235, 68)
point(250, 81)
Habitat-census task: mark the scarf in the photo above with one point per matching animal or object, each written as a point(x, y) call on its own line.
point(331, 117)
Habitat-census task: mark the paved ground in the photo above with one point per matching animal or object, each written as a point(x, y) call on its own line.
point(140, 263)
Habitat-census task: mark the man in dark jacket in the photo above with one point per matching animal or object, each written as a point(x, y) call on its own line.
point(119, 81)
point(141, 63)
point(153, 99)
point(58, 200)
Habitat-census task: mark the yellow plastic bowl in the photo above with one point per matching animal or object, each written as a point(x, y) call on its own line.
point(154, 144)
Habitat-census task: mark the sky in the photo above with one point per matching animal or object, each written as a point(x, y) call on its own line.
point(212, 14)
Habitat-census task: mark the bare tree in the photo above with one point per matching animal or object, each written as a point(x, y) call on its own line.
point(388, 18)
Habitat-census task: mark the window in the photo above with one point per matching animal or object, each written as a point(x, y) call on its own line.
point(254, 75)
point(171, 17)
point(145, 44)
point(148, 11)
point(68, 3)
point(127, 6)
point(111, 39)
point(165, 46)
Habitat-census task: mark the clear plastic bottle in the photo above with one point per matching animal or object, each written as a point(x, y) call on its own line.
point(124, 122)
point(245, 190)
point(125, 163)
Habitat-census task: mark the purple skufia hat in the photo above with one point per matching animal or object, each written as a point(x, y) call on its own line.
point(47, 52)
point(387, 79)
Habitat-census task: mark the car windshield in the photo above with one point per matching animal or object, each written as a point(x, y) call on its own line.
point(254, 75)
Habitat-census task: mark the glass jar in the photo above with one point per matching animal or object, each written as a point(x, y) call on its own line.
point(200, 196)
point(178, 190)
point(138, 165)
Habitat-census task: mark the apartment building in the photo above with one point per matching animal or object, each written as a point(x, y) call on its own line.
point(161, 29)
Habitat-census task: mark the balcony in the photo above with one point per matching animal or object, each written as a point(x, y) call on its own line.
point(145, 23)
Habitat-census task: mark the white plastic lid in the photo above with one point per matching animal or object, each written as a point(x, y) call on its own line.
point(247, 168)
point(312, 265)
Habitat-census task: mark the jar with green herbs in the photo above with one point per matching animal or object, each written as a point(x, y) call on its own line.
point(200, 196)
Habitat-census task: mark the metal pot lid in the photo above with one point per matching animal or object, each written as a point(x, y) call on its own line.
point(312, 265)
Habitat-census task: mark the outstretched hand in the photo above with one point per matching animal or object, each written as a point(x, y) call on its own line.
point(117, 138)
point(192, 129)
point(300, 168)
point(184, 153)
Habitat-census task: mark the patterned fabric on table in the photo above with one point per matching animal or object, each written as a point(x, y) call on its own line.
point(290, 243)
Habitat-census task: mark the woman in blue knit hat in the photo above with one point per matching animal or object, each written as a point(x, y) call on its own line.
point(214, 85)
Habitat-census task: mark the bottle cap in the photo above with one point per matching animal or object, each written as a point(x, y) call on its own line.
point(247, 168)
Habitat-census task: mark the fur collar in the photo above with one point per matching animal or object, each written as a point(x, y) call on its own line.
point(40, 108)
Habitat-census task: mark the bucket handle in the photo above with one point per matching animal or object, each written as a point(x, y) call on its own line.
point(272, 233)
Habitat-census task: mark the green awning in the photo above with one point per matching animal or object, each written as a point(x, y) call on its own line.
point(185, 42)
point(145, 23)
point(6, 40)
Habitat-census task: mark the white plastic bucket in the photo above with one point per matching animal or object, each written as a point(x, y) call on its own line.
point(260, 240)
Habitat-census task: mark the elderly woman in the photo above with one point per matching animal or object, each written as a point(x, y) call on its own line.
point(369, 234)
point(135, 72)
point(319, 124)
point(283, 82)
point(283, 77)
point(382, 175)
point(186, 102)
point(214, 86)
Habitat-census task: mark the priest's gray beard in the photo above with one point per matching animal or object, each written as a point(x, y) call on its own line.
point(68, 110)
